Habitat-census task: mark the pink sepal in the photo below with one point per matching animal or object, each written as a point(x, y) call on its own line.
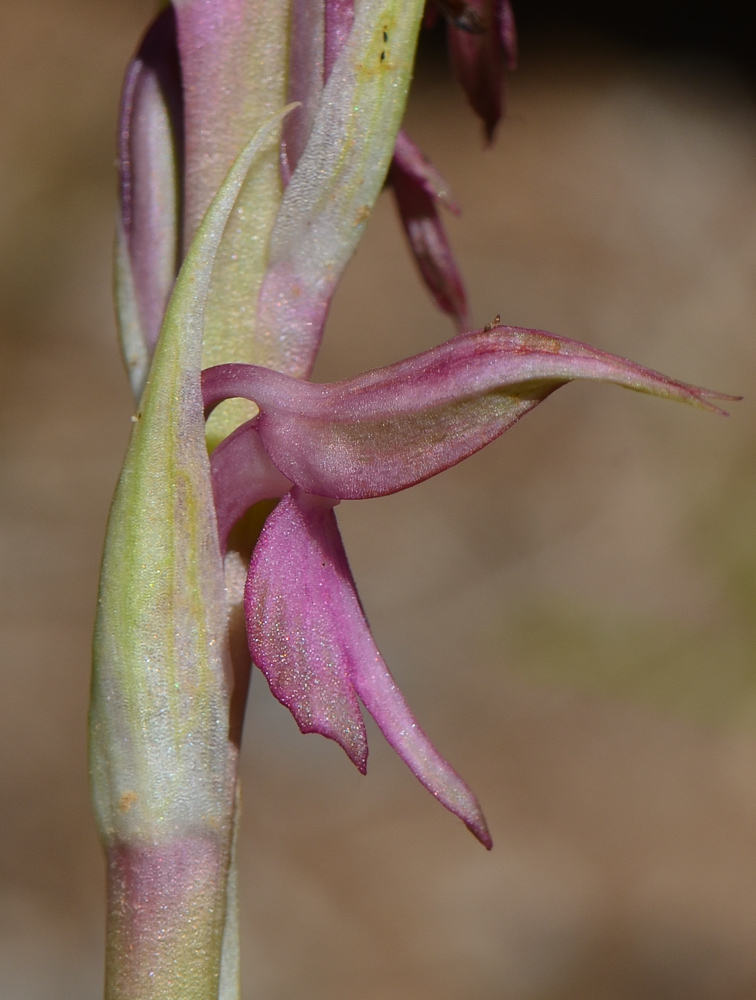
point(309, 636)
point(388, 429)
point(418, 187)
point(477, 61)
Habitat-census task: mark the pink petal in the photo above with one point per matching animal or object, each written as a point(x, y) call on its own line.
point(411, 181)
point(477, 61)
point(390, 428)
point(150, 153)
point(410, 159)
point(308, 634)
point(381, 696)
point(298, 622)
point(242, 475)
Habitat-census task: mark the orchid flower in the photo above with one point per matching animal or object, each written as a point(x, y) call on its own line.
point(255, 138)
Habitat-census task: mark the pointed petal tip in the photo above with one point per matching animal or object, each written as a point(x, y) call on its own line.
point(455, 795)
point(479, 830)
point(355, 749)
point(609, 367)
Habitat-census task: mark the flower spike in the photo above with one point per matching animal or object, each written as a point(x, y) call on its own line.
point(308, 634)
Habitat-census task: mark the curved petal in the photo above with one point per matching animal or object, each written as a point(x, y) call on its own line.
point(381, 696)
point(298, 623)
point(417, 187)
point(411, 160)
point(477, 62)
point(242, 475)
point(390, 428)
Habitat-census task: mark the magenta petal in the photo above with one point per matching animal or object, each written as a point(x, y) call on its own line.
point(390, 428)
point(477, 61)
point(410, 160)
point(308, 634)
point(508, 33)
point(383, 699)
point(427, 237)
point(242, 475)
point(300, 620)
point(150, 153)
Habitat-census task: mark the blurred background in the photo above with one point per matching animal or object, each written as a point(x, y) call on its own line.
point(570, 612)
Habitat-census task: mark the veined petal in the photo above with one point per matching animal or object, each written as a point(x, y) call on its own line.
point(299, 624)
point(242, 475)
point(390, 428)
point(329, 198)
point(477, 61)
point(415, 185)
point(150, 150)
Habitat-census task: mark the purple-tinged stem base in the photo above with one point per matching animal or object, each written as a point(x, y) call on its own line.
point(166, 910)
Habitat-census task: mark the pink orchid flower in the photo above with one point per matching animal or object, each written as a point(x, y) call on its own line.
point(369, 436)
point(255, 138)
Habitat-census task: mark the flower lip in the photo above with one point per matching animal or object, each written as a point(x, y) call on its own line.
point(308, 634)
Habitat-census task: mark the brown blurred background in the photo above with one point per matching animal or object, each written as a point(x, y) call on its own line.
point(570, 613)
